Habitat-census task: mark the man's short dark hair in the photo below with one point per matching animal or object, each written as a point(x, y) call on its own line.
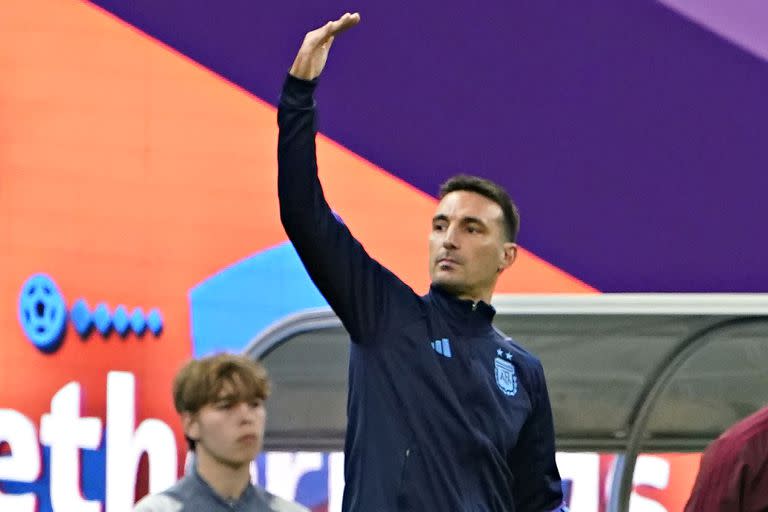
point(492, 191)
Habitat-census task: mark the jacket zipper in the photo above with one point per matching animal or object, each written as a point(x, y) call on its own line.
point(402, 499)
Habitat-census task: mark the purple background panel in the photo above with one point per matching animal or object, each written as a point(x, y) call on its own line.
point(632, 138)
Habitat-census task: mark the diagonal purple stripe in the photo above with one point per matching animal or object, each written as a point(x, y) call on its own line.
point(742, 22)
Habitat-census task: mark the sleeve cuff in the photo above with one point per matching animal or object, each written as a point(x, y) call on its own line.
point(298, 93)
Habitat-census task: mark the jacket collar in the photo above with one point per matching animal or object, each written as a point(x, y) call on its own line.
point(462, 314)
point(205, 488)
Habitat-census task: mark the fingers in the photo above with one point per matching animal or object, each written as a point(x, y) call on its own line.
point(342, 24)
point(328, 31)
point(310, 60)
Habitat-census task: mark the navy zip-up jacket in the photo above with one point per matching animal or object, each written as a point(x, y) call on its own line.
point(445, 413)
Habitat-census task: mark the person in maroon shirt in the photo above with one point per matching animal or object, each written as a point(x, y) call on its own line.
point(733, 476)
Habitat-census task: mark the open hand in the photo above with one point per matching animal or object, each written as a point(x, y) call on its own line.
point(313, 53)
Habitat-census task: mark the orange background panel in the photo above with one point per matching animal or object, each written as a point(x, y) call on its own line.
point(128, 174)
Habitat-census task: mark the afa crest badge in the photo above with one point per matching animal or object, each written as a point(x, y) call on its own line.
point(506, 378)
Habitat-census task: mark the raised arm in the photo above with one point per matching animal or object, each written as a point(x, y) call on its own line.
point(365, 295)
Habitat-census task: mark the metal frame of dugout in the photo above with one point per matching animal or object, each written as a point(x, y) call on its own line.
point(627, 373)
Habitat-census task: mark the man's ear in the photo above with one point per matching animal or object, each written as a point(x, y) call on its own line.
point(510, 253)
point(190, 425)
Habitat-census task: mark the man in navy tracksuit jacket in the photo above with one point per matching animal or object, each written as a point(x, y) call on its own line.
point(445, 413)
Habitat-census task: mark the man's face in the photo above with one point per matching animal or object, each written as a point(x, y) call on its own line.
point(467, 246)
point(229, 430)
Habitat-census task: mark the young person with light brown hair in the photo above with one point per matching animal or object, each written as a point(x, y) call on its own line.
point(220, 400)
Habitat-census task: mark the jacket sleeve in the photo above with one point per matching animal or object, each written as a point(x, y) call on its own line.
point(720, 482)
point(366, 296)
point(537, 485)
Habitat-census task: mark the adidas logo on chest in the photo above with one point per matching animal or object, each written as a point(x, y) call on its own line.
point(442, 347)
